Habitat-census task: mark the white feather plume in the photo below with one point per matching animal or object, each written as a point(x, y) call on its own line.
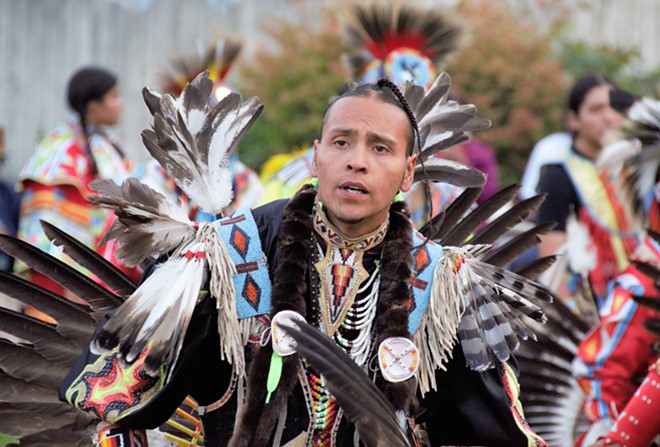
point(193, 141)
point(156, 316)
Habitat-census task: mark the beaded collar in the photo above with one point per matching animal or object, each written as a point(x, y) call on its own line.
point(334, 237)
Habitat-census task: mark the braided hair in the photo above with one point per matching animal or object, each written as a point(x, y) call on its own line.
point(86, 85)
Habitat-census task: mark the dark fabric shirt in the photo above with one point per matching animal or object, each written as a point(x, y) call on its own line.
point(561, 198)
point(10, 203)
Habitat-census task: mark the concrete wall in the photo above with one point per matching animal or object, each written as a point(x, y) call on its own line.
point(43, 41)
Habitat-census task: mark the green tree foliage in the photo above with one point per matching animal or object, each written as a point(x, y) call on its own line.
point(508, 70)
point(623, 65)
point(514, 71)
point(294, 77)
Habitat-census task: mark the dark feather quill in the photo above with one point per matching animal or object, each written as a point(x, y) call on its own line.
point(89, 259)
point(507, 220)
point(65, 436)
point(99, 298)
point(42, 417)
point(651, 303)
point(41, 335)
point(463, 228)
point(22, 362)
point(16, 390)
point(652, 324)
point(362, 402)
point(648, 270)
point(454, 213)
point(535, 268)
point(447, 171)
point(504, 254)
point(75, 320)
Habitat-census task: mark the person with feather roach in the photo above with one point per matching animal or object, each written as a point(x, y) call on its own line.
point(401, 42)
point(412, 333)
point(213, 318)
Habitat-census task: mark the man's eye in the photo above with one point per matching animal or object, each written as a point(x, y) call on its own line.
point(381, 149)
point(340, 143)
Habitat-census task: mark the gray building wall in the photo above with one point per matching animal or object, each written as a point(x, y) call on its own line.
point(43, 41)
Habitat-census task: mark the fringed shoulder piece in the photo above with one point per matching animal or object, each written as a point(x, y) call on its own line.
point(193, 142)
point(472, 297)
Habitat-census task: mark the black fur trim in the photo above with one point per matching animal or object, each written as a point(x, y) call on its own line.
point(394, 299)
point(255, 425)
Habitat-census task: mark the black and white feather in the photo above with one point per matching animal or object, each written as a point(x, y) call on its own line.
point(490, 308)
point(36, 355)
point(193, 141)
point(443, 123)
point(361, 401)
point(147, 226)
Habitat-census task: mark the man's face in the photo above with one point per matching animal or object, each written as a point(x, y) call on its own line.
point(596, 117)
point(361, 162)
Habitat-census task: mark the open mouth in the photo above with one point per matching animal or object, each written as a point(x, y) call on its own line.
point(354, 188)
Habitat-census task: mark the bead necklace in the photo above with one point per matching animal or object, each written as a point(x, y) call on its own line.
point(325, 409)
point(360, 317)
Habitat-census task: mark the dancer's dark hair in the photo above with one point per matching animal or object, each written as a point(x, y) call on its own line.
point(86, 85)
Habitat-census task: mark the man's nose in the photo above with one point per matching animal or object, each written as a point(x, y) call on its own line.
point(358, 160)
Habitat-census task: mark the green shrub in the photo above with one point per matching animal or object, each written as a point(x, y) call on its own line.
point(515, 73)
point(294, 79)
point(508, 70)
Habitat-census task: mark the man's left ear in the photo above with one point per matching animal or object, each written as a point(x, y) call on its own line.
point(314, 170)
point(409, 174)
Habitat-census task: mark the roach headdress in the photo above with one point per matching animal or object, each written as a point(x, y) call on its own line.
point(217, 59)
point(400, 42)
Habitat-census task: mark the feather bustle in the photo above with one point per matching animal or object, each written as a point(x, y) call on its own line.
point(98, 297)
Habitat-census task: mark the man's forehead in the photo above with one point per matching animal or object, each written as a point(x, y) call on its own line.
point(370, 134)
point(350, 108)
